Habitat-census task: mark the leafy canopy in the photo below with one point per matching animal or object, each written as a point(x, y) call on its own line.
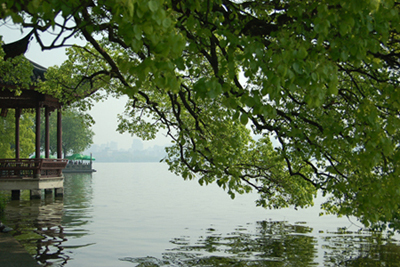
point(17, 70)
point(319, 76)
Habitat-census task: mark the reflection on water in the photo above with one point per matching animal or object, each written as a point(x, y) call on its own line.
point(273, 244)
point(277, 244)
point(78, 209)
point(37, 225)
point(164, 221)
point(346, 248)
point(44, 226)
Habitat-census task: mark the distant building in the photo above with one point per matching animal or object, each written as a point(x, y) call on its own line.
point(137, 145)
point(136, 153)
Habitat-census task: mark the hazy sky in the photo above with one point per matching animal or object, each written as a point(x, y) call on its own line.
point(104, 113)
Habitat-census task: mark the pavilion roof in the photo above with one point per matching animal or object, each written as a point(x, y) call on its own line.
point(29, 98)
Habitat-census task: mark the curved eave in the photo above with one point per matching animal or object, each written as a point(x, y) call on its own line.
point(27, 99)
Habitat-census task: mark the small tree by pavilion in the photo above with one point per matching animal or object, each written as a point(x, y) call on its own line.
point(77, 134)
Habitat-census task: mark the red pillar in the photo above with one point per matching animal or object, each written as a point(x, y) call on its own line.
point(47, 133)
point(59, 134)
point(17, 145)
point(37, 143)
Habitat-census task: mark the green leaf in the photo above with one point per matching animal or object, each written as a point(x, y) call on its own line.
point(302, 53)
point(244, 118)
point(148, 29)
point(130, 6)
point(333, 85)
point(153, 5)
point(166, 23)
point(297, 68)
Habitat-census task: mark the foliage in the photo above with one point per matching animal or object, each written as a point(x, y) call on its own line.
point(65, 82)
point(319, 76)
point(76, 132)
point(26, 135)
point(15, 70)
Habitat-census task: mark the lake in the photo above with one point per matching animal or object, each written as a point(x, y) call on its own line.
point(139, 214)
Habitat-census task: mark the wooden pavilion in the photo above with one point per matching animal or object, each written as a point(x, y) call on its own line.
point(37, 173)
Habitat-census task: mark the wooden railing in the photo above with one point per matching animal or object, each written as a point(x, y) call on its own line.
point(30, 168)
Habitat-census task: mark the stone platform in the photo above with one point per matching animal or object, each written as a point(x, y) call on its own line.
point(13, 254)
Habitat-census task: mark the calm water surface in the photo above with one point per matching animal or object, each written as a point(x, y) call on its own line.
point(139, 214)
